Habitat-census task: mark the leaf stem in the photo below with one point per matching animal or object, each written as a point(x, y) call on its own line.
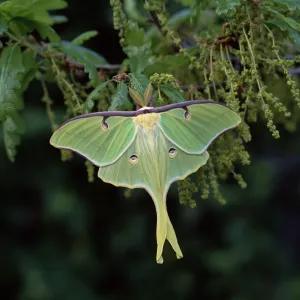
point(212, 73)
point(66, 83)
point(23, 42)
point(254, 66)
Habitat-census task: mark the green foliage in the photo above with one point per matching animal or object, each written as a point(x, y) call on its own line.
point(136, 96)
point(186, 189)
point(31, 10)
point(12, 71)
point(75, 52)
point(226, 6)
point(88, 56)
point(13, 127)
point(90, 101)
point(45, 31)
point(120, 101)
point(11, 68)
point(187, 2)
point(65, 238)
point(138, 82)
point(289, 21)
point(137, 49)
point(187, 55)
point(148, 94)
point(167, 64)
point(119, 20)
point(291, 4)
point(82, 38)
point(172, 93)
point(3, 24)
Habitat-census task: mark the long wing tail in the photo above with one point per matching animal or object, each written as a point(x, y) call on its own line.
point(164, 230)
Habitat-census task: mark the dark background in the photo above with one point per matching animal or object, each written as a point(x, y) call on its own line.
point(64, 238)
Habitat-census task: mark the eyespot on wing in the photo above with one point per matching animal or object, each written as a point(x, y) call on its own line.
point(194, 131)
point(100, 140)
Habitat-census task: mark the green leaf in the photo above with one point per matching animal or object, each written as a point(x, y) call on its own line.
point(23, 26)
point(174, 94)
point(120, 101)
point(89, 103)
point(46, 31)
point(138, 57)
point(167, 64)
point(291, 22)
point(13, 127)
point(31, 67)
point(58, 19)
point(138, 49)
point(180, 16)
point(132, 11)
point(80, 56)
point(293, 35)
point(17, 71)
point(189, 3)
point(11, 67)
point(3, 24)
point(148, 94)
point(135, 36)
point(291, 4)
point(37, 10)
point(138, 82)
point(93, 56)
point(136, 96)
point(226, 6)
point(79, 40)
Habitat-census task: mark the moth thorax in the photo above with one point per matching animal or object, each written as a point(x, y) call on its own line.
point(147, 120)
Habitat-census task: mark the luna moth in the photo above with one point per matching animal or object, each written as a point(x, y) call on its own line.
point(149, 148)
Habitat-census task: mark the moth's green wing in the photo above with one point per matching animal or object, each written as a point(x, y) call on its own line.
point(89, 138)
point(153, 170)
point(203, 124)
